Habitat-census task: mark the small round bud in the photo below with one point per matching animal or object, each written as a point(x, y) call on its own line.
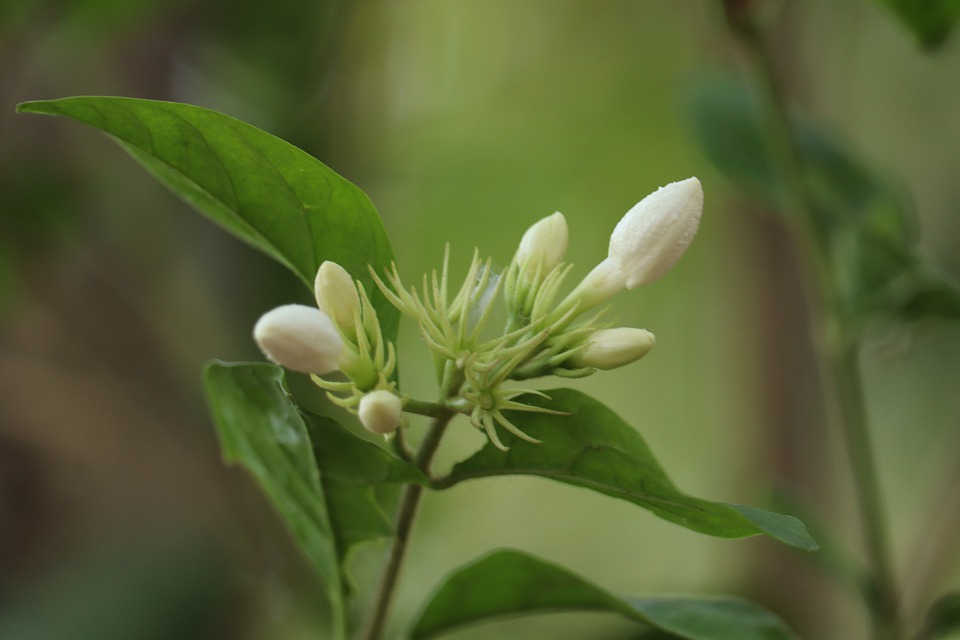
point(653, 235)
point(612, 348)
point(337, 294)
point(299, 338)
point(543, 245)
point(380, 411)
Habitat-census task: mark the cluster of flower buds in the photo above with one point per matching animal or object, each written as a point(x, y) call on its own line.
point(544, 334)
point(341, 334)
point(644, 245)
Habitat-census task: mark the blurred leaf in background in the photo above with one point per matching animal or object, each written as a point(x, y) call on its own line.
point(155, 589)
point(930, 21)
point(867, 225)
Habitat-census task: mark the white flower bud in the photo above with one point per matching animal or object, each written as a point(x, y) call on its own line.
point(299, 338)
point(602, 283)
point(653, 235)
point(380, 411)
point(612, 348)
point(337, 294)
point(543, 245)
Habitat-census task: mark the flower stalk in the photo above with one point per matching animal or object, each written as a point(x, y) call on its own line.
point(406, 516)
point(838, 349)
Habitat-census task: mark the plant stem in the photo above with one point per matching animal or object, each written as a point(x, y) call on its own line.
point(936, 554)
point(837, 348)
point(853, 418)
point(406, 514)
point(423, 408)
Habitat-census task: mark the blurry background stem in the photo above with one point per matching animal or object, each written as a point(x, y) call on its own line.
point(837, 344)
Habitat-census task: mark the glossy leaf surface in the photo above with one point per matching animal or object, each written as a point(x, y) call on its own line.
point(319, 476)
point(260, 429)
point(262, 189)
point(509, 583)
point(594, 448)
point(351, 470)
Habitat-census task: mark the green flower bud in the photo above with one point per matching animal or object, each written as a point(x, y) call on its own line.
point(337, 295)
point(380, 411)
point(299, 338)
point(612, 348)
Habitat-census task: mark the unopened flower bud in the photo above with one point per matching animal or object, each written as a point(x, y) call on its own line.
point(653, 235)
point(602, 283)
point(543, 245)
point(612, 348)
point(337, 294)
point(380, 411)
point(299, 338)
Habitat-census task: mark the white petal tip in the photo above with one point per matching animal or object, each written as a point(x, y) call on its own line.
point(653, 235)
point(300, 338)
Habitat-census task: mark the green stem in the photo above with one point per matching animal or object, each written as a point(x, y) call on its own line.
point(838, 350)
point(424, 408)
point(400, 446)
point(935, 554)
point(406, 515)
point(853, 418)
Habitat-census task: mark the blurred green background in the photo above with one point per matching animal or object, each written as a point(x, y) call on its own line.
point(465, 122)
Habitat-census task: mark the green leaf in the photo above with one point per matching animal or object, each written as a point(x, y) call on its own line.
point(594, 448)
point(351, 472)
point(729, 121)
point(318, 476)
point(725, 117)
point(510, 583)
point(942, 619)
point(931, 21)
point(260, 428)
point(265, 191)
point(845, 188)
point(931, 295)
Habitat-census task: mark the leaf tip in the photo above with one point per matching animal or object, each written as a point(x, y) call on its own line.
point(26, 107)
point(43, 107)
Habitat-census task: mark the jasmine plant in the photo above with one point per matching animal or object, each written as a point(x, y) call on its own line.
point(323, 477)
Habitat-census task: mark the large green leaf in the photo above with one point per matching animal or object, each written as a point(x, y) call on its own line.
point(328, 507)
point(265, 191)
point(353, 474)
point(931, 21)
point(510, 583)
point(260, 428)
point(593, 447)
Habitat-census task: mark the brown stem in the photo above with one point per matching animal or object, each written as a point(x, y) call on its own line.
point(406, 514)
